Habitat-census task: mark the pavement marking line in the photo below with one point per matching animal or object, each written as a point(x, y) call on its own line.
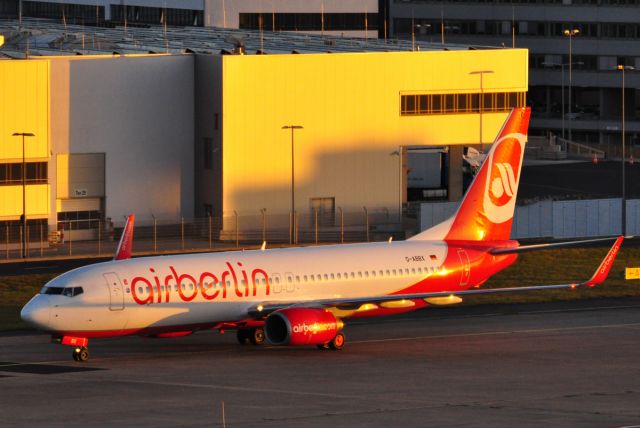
point(497, 333)
point(493, 314)
point(245, 389)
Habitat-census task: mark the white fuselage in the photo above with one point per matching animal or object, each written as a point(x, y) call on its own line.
point(167, 292)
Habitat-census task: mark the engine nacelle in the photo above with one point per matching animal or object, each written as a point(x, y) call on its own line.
point(301, 326)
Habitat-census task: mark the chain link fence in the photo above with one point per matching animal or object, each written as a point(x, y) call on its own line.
point(97, 237)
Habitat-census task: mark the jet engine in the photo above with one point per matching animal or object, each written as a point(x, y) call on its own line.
point(301, 326)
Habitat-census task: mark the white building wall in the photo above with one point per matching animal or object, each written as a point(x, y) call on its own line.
point(140, 112)
point(225, 13)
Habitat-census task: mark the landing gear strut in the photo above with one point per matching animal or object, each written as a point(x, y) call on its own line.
point(336, 344)
point(81, 354)
point(254, 335)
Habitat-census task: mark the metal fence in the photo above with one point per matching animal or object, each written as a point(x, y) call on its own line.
point(232, 231)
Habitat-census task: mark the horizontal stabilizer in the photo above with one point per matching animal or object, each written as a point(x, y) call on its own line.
point(552, 246)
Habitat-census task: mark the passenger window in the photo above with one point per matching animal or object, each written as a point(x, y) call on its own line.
point(413, 270)
point(352, 275)
point(139, 290)
point(339, 276)
point(366, 274)
point(333, 277)
point(373, 273)
point(298, 277)
point(326, 277)
point(388, 273)
point(359, 274)
point(305, 278)
point(183, 286)
point(406, 271)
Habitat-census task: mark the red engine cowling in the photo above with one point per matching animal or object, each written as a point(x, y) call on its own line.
point(301, 326)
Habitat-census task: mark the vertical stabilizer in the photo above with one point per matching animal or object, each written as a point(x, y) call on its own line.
point(486, 211)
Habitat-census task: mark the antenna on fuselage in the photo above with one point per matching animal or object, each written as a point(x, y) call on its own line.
point(390, 239)
point(264, 246)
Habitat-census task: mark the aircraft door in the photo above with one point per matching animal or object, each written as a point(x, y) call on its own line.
point(465, 267)
point(116, 294)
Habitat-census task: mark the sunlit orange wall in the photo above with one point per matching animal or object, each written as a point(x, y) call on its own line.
point(38, 198)
point(24, 107)
point(349, 105)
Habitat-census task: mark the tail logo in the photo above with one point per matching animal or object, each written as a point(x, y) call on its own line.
point(505, 183)
point(502, 183)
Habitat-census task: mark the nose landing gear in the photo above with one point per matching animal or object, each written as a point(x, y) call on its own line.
point(80, 346)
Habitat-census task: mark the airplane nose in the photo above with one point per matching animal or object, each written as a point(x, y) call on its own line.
point(36, 312)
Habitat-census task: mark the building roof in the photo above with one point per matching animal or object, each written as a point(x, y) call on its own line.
point(41, 37)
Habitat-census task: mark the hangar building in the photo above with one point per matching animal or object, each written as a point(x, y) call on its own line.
point(197, 131)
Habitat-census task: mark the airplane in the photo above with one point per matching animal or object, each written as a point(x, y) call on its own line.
point(301, 296)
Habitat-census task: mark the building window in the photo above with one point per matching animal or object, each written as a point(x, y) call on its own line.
point(424, 104)
point(309, 21)
point(208, 153)
point(79, 220)
point(11, 173)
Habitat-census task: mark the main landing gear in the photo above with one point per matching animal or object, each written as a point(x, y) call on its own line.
point(336, 344)
point(254, 335)
point(81, 354)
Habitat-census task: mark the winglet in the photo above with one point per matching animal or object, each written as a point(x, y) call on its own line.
point(126, 240)
point(604, 268)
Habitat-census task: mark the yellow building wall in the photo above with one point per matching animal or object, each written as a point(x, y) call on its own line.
point(24, 102)
point(349, 106)
point(37, 198)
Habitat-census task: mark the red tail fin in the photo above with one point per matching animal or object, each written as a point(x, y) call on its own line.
point(126, 240)
point(486, 211)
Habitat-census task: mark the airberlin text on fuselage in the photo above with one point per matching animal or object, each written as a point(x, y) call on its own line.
point(209, 285)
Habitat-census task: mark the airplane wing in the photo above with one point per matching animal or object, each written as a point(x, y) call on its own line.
point(598, 277)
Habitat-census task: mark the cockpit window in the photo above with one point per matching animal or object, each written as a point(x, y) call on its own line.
point(67, 291)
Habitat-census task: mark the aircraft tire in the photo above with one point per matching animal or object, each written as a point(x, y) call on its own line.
point(81, 354)
point(337, 343)
point(257, 336)
point(243, 335)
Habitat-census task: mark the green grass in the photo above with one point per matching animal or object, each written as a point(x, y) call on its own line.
point(15, 291)
point(535, 268)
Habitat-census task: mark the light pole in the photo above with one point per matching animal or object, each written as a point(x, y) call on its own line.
point(561, 65)
point(24, 200)
point(570, 33)
point(292, 222)
point(400, 189)
point(481, 103)
point(624, 187)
